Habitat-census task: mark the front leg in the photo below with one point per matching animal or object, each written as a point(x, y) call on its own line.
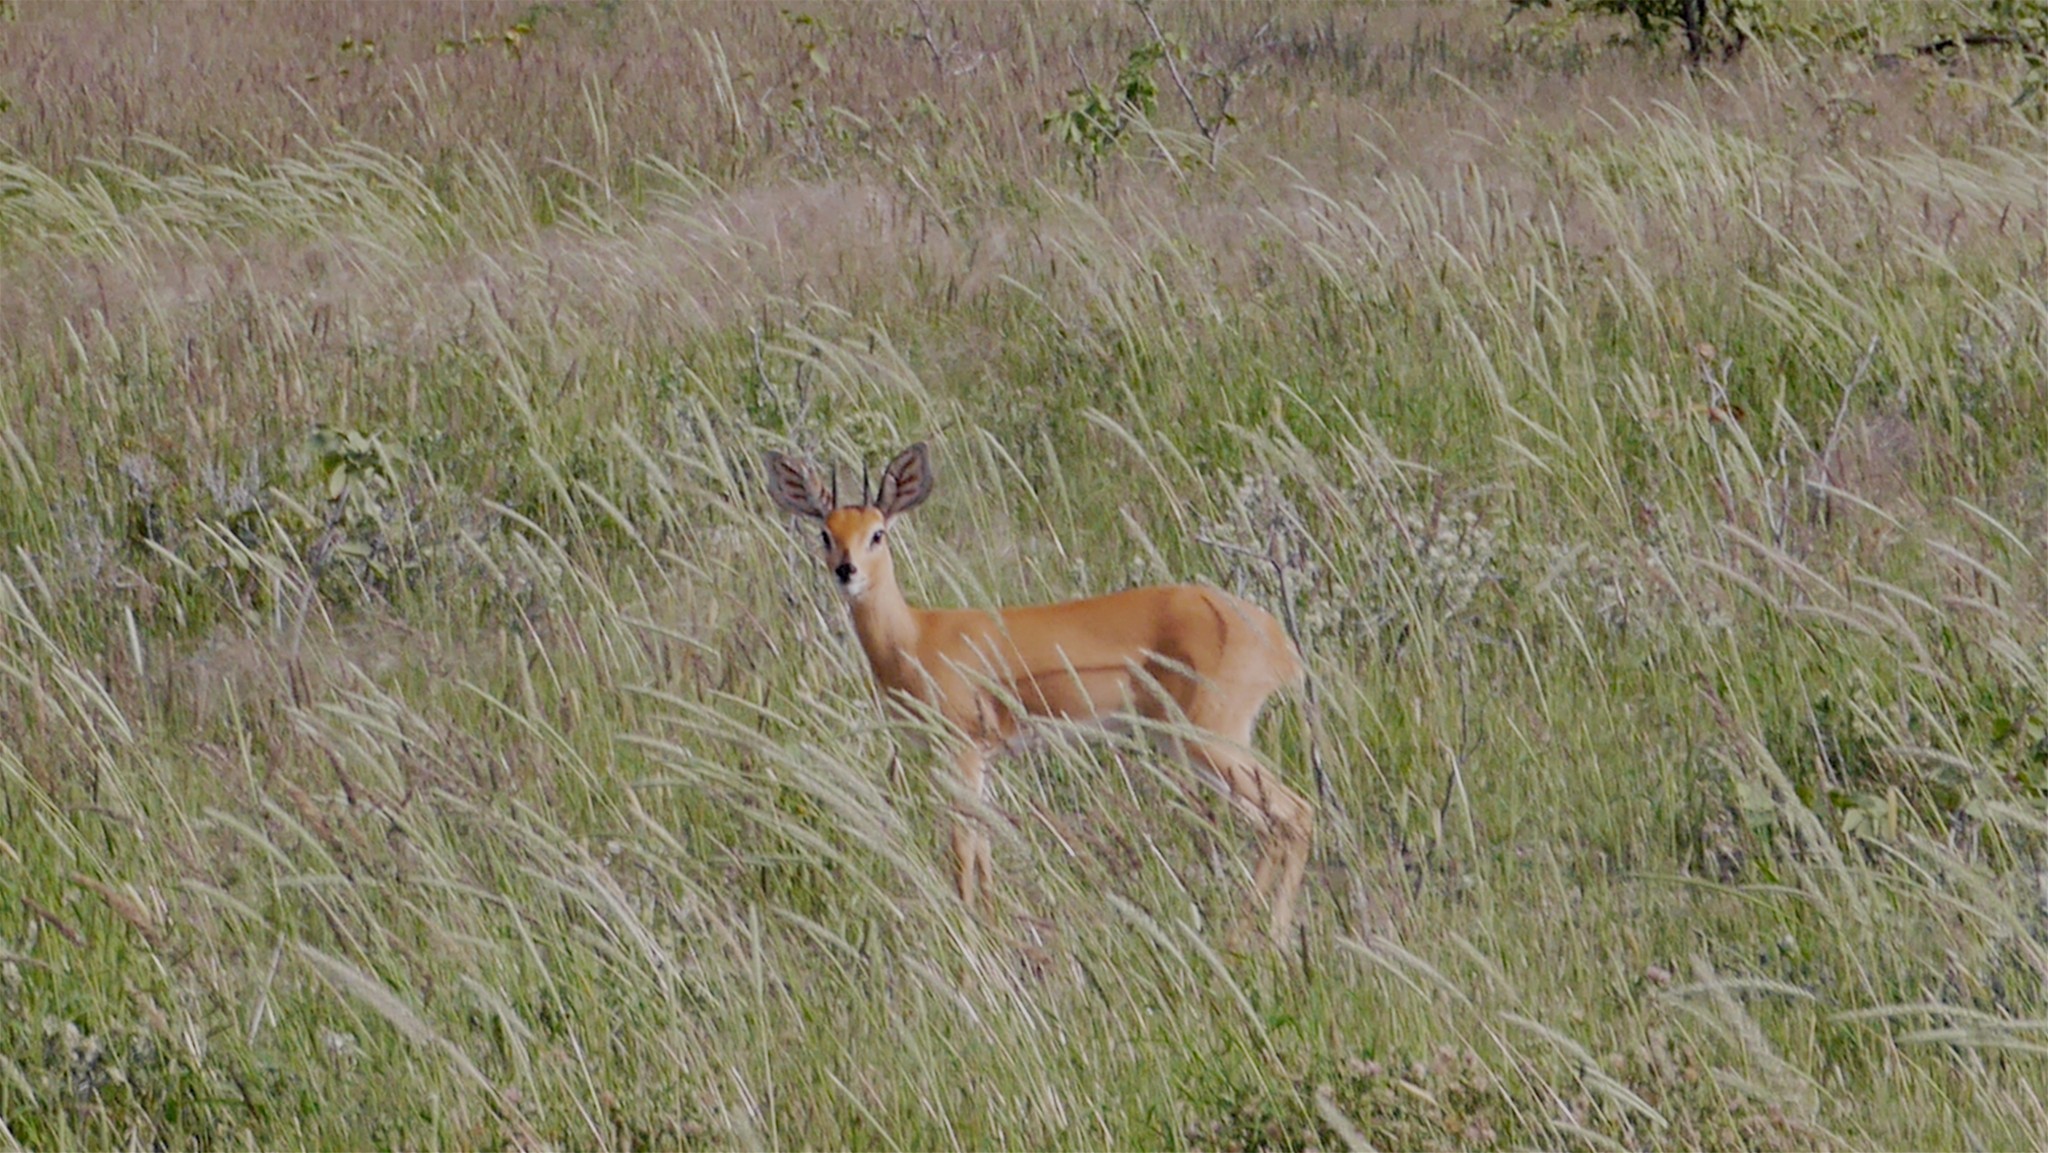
point(974, 867)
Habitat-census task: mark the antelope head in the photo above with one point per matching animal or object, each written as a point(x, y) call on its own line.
point(855, 537)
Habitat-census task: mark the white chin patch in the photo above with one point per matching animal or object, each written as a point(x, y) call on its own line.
point(853, 589)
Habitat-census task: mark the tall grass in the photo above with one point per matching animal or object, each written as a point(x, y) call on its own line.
point(416, 729)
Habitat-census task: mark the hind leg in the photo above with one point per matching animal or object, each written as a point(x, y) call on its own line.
point(1285, 821)
point(1286, 831)
point(1289, 836)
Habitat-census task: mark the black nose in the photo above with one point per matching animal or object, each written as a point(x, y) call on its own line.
point(844, 572)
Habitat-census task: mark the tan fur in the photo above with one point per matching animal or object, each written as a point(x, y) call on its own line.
point(1171, 654)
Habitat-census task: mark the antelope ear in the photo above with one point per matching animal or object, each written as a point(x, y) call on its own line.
point(796, 486)
point(906, 482)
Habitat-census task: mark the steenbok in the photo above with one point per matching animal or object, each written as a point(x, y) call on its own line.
point(1185, 656)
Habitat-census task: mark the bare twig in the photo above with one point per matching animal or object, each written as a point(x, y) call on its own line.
point(924, 14)
point(1849, 390)
point(1210, 132)
point(1826, 461)
point(1087, 85)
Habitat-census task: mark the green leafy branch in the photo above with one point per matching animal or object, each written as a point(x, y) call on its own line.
point(1095, 122)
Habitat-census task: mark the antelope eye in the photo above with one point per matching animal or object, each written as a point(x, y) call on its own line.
point(826, 537)
point(876, 539)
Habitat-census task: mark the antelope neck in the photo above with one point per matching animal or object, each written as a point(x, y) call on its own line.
point(888, 631)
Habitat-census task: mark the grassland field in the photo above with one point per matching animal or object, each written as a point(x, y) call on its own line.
point(417, 729)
